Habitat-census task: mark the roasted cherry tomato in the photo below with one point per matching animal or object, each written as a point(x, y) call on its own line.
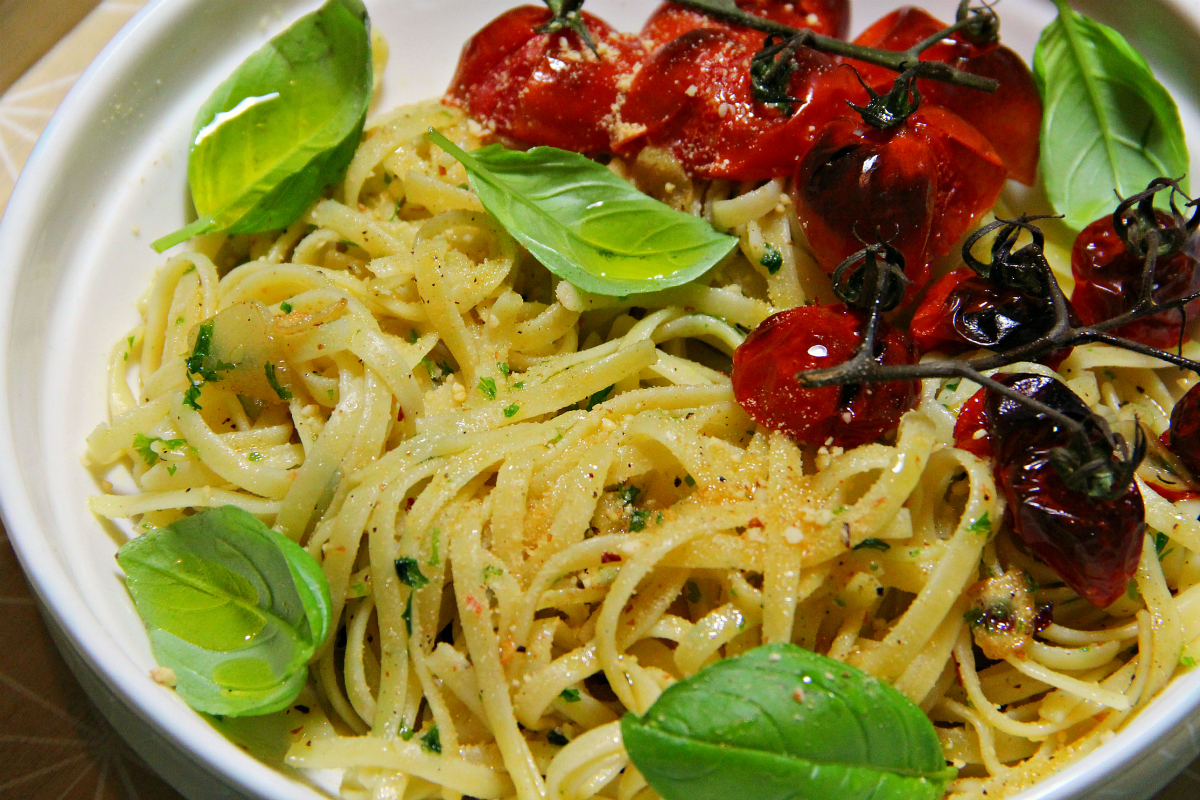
point(1183, 436)
point(829, 17)
point(961, 311)
point(970, 429)
point(919, 185)
point(1011, 118)
point(1093, 543)
point(548, 89)
point(694, 97)
point(1108, 282)
point(811, 337)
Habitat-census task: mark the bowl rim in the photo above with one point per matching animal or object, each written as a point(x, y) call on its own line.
point(189, 733)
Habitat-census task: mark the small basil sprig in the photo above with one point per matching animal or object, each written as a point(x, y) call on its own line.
point(1109, 126)
point(282, 127)
point(585, 224)
point(234, 608)
point(781, 722)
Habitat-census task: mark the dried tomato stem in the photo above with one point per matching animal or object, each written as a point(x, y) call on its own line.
point(895, 60)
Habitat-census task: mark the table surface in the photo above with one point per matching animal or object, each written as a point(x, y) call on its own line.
point(54, 745)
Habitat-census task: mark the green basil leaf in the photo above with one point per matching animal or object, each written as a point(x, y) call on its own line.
point(780, 722)
point(282, 127)
point(1109, 126)
point(234, 608)
point(585, 224)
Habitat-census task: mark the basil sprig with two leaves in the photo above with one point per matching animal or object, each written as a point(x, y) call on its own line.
point(282, 127)
point(585, 224)
point(781, 722)
point(1109, 126)
point(235, 609)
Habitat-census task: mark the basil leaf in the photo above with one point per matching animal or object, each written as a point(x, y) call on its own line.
point(1109, 126)
point(780, 722)
point(585, 224)
point(282, 127)
point(234, 608)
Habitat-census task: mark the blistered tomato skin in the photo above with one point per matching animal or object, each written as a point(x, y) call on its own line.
point(1108, 282)
point(970, 429)
point(1010, 119)
point(812, 337)
point(961, 311)
point(1093, 544)
point(1184, 433)
point(693, 96)
point(548, 89)
point(827, 17)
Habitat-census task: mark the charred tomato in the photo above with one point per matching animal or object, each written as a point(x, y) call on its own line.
point(1108, 283)
point(1093, 543)
point(919, 185)
point(694, 96)
point(812, 337)
point(1010, 119)
point(828, 17)
point(962, 310)
point(545, 88)
point(1183, 435)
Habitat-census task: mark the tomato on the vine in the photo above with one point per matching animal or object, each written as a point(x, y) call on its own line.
point(919, 185)
point(970, 429)
point(1093, 543)
point(694, 97)
point(962, 310)
point(813, 337)
point(1108, 282)
point(1011, 118)
point(829, 17)
point(1183, 435)
point(545, 88)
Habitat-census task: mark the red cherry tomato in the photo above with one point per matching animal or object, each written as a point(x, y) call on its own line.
point(970, 429)
point(920, 185)
point(829, 17)
point(694, 97)
point(1011, 118)
point(1094, 544)
point(1183, 435)
point(810, 337)
point(548, 89)
point(1108, 282)
point(961, 311)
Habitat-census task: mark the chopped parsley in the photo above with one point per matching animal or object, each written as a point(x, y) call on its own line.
point(435, 537)
point(144, 445)
point(272, 379)
point(637, 522)
point(256, 456)
point(487, 387)
point(570, 695)
point(981, 525)
point(511, 411)
point(693, 592)
point(1187, 661)
point(409, 573)
point(556, 738)
point(285, 307)
point(772, 259)
point(599, 397)
point(872, 544)
point(432, 741)
point(202, 366)
point(505, 369)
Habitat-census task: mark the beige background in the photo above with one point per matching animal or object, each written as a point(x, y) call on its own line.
point(53, 744)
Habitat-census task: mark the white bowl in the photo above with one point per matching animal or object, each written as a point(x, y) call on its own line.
point(108, 176)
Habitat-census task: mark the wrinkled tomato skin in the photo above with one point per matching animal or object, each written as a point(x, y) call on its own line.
point(828, 17)
point(1183, 437)
point(859, 183)
point(547, 89)
point(1011, 118)
point(1108, 282)
point(811, 337)
point(970, 429)
point(961, 311)
point(1093, 544)
point(693, 96)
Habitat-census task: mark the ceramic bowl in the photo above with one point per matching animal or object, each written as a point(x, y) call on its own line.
point(108, 177)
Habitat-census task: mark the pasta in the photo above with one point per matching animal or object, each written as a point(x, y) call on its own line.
point(594, 514)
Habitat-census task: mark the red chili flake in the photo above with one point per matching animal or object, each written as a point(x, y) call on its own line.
point(608, 558)
point(400, 416)
point(473, 604)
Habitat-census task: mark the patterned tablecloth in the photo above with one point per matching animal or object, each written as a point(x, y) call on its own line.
point(54, 745)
